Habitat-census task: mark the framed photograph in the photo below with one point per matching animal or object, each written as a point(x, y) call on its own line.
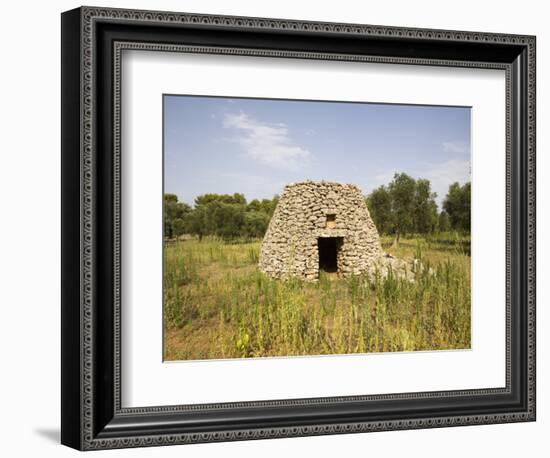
point(276, 228)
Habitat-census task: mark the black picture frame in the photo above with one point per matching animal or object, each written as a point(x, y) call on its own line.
point(92, 416)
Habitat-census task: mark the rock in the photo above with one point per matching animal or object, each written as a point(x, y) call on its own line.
point(301, 215)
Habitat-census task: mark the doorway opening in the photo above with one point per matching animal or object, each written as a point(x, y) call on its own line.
point(328, 253)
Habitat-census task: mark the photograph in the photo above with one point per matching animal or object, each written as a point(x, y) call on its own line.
point(314, 227)
point(286, 223)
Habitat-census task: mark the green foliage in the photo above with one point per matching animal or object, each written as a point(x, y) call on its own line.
point(379, 203)
point(266, 206)
point(402, 191)
point(425, 208)
point(217, 305)
point(174, 211)
point(255, 223)
point(404, 206)
point(444, 225)
point(222, 215)
point(178, 227)
point(407, 206)
point(224, 219)
point(243, 345)
point(206, 199)
point(457, 206)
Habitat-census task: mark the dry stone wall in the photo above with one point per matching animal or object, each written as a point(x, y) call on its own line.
point(309, 211)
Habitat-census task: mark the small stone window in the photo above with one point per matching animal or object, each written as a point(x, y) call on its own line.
point(331, 221)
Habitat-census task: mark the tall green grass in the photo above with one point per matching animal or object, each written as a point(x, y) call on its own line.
point(217, 304)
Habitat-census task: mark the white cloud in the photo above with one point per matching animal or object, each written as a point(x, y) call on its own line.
point(384, 178)
point(444, 174)
point(441, 176)
point(249, 179)
point(269, 144)
point(455, 147)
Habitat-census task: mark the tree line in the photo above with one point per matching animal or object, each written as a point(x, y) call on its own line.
point(403, 206)
point(228, 216)
point(406, 206)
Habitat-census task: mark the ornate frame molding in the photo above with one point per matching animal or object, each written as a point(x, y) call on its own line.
point(89, 434)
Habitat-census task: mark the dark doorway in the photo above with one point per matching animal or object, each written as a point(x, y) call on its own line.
point(328, 253)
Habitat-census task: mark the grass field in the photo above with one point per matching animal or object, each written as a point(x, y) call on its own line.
point(218, 305)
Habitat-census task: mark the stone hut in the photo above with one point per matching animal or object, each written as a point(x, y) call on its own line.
point(320, 226)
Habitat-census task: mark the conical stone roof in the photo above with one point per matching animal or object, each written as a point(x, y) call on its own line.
point(310, 211)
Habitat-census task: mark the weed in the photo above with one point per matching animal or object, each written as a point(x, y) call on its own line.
point(217, 304)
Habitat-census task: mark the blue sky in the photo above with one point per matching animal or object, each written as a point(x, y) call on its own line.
point(256, 146)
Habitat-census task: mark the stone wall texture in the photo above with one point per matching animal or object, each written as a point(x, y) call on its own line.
point(311, 210)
